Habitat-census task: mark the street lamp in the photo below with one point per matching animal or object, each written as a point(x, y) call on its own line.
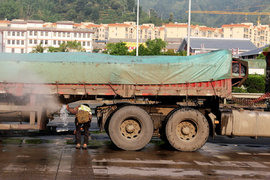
point(138, 14)
point(189, 17)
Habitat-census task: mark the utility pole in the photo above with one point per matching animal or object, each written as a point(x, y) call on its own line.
point(189, 17)
point(138, 14)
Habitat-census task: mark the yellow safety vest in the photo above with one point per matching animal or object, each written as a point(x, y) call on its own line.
point(85, 108)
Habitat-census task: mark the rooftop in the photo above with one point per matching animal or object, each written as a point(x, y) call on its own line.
point(218, 43)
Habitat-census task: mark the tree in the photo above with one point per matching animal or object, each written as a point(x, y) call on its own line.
point(38, 49)
point(143, 51)
point(255, 83)
point(95, 14)
point(117, 48)
point(130, 5)
point(9, 10)
point(74, 46)
point(171, 17)
point(70, 46)
point(155, 46)
point(115, 5)
point(261, 56)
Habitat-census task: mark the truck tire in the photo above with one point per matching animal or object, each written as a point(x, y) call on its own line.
point(130, 128)
point(187, 130)
point(162, 130)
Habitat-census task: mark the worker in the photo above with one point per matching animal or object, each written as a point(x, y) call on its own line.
point(267, 79)
point(83, 120)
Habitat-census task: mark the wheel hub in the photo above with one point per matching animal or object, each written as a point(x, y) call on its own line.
point(130, 128)
point(186, 130)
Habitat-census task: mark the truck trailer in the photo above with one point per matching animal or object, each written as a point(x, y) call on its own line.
point(179, 99)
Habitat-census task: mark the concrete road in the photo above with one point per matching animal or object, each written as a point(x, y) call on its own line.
point(54, 157)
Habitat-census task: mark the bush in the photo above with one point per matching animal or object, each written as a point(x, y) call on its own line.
point(255, 83)
point(239, 90)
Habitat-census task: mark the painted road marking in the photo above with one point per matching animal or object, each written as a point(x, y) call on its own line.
point(252, 154)
point(139, 161)
point(232, 164)
point(144, 171)
point(242, 172)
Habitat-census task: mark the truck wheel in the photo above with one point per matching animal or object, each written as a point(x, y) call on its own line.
point(130, 128)
point(162, 130)
point(187, 130)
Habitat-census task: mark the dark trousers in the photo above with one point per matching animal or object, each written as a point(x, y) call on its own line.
point(85, 127)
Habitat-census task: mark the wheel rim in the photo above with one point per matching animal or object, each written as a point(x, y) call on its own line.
point(130, 128)
point(186, 130)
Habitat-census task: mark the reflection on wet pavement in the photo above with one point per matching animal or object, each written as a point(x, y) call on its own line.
point(52, 157)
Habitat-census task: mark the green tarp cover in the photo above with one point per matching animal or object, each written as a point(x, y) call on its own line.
point(90, 68)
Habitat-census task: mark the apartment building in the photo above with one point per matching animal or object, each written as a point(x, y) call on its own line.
point(19, 36)
point(259, 35)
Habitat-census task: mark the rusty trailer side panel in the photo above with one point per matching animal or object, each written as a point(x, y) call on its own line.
point(221, 88)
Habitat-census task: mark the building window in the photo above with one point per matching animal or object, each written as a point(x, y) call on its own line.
point(31, 33)
point(18, 33)
point(13, 42)
point(88, 43)
point(83, 43)
point(22, 33)
point(46, 33)
point(54, 34)
point(41, 33)
point(22, 42)
point(8, 33)
point(12, 50)
point(59, 42)
point(75, 35)
point(46, 42)
point(18, 42)
point(8, 42)
point(13, 33)
point(89, 35)
point(64, 34)
point(54, 42)
point(22, 51)
point(84, 35)
point(30, 41)
point(35, 33)
point(68, 34)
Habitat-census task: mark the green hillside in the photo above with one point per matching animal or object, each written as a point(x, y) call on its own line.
point(178, 7)
point(112, 11)
point(98, 11)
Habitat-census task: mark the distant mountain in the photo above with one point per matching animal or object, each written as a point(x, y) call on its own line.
point(176, 9)
point(97, 11)
point(112, 11)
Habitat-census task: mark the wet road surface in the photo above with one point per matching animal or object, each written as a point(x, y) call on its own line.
point(54, 157)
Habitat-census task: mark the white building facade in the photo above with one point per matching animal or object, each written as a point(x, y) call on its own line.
point(21, 36)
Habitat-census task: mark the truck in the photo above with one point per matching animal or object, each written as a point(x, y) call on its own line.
point(182, 100)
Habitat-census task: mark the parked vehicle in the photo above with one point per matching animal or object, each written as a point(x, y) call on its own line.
point(177, 98)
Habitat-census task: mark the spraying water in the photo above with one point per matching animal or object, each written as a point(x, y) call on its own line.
point(64, 115)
